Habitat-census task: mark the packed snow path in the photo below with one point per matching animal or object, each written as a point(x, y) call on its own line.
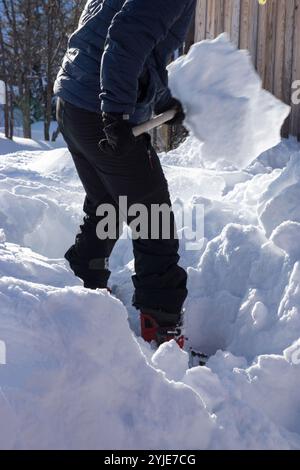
point(76, 374)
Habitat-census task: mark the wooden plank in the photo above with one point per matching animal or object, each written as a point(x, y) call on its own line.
point(261, 42)
point(253, 28)
point(279, 49)
point(219, 17)
point(200, 20)
point(228, 8)
point(210, 19)
point(249, 27)
point(235, 21)
point(244, 24)
point(288, 58)
point(271, 44)
point(295, 114)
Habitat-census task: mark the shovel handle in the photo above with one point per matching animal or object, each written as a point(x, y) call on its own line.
point(155, 122)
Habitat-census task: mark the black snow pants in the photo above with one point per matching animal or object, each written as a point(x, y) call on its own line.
point(160, 284)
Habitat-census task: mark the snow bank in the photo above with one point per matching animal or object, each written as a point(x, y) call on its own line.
point(280, 201)
point(78, 377)
point(75, 377)
point(238, 295)
point(34, 207)
point(226, 107)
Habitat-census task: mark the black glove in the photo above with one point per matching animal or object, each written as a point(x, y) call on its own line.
point(118, 132)
point(179, 116)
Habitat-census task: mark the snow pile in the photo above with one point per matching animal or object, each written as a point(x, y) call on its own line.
point(242, 296)
point(244, 288)
point(226, 107)
point(34, 206)
point(76, 376)
point(280, 202)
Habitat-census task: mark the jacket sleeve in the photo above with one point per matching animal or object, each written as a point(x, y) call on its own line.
point(134, 33)
point(178, 32)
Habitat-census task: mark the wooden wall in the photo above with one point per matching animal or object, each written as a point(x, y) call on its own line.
point(271, 33)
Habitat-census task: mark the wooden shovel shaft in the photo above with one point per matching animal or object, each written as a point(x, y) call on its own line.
point(155, 122)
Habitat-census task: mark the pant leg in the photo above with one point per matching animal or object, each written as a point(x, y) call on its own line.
point(89, 255)
point(159, 282)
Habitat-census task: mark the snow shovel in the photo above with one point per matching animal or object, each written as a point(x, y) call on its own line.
point(155, 122)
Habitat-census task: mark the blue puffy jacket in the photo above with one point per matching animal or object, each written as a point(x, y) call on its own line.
point(120, 52)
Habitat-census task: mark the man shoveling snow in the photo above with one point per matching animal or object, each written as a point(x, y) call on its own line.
point(129, 43)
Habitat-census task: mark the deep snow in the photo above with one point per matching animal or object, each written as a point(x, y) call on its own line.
point(78, 377)
point(74, 373)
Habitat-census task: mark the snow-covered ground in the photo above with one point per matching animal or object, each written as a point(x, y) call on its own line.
point(77, 375)
point(36, 143)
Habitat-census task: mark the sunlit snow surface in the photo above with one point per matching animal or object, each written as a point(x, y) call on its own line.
point(76, 375)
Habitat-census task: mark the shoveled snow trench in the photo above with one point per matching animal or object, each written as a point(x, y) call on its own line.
point(74, 373)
